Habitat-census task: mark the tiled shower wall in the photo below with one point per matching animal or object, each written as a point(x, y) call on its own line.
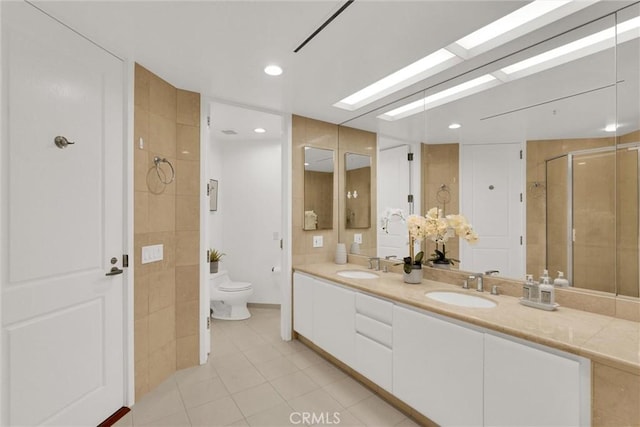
point(440, 167)
point(167, 125)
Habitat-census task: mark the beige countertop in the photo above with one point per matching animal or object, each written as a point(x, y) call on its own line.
point(603, 339)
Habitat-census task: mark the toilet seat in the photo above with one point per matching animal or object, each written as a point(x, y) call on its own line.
point(234, 286)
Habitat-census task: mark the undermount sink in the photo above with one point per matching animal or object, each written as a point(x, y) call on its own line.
point(460, 299)
point(357, 274)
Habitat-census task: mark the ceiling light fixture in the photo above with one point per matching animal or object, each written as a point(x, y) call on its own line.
point(524, 20)
point(611, 128)
point(402, 78)
point(510, 22)
point(439, 98)
point(574, 50)
point(455, 126)
point(259, 130)
point(273, 70)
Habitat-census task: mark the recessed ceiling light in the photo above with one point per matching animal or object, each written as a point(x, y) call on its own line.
point(259, 130)
point(306, 164)
point(439, 98)
point(611, 128)
point(510, 22)
point(455, 126)
point(273, 70)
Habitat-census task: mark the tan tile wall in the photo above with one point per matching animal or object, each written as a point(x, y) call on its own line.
point(318, 197)
point(627, 218)
point(166, 292)
point(358, 142)
point(440, 165)
point(319, 134)
point(600, 213)
point(358, 213)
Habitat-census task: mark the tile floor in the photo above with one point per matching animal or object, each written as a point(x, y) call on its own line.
point(253, 378)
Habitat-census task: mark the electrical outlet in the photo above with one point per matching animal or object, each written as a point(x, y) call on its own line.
point(357, 238)
point(152, 253)
point(317, 241)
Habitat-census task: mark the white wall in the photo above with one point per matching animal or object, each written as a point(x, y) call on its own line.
point(249, 213)
point(214, 171)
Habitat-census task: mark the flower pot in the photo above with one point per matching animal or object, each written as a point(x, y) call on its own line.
point(213, 267)
point(415, 277)
point(444, 266)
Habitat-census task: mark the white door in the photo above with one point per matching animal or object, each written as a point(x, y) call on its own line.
point(62, 222)
point(491, 187)
point(394, 185)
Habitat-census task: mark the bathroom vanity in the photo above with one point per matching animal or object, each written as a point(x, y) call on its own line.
point(506, 365)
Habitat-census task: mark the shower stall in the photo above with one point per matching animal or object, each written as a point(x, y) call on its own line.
point(592, 217)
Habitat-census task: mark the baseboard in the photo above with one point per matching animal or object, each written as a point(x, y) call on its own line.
point(262, 305)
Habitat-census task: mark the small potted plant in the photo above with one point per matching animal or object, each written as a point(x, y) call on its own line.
point(214, 259)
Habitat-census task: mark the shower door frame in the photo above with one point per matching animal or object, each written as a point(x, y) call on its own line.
point(570, 227)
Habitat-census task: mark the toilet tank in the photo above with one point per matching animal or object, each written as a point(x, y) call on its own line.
point(219, 278)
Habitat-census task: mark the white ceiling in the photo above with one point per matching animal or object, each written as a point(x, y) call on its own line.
point(219, 48)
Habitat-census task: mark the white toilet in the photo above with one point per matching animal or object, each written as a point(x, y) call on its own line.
point(229, 299)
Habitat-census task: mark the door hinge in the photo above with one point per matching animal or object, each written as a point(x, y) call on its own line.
point(410, 157)
point(520, 197)
point(520, 240)
point(208, 120)
point(207, 260)
point(410, 198)
point(281, 243)
point(125, 261)
point(208, 322)
point(520, 154)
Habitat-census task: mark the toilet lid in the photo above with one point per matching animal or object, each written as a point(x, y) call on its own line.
point(235, 286)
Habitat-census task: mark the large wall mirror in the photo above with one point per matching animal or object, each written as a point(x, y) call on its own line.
point(357, 190)
point(576, 118)
point(318, 188)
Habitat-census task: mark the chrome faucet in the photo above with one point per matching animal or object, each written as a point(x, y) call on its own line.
point(479, 282)
point(374, 263)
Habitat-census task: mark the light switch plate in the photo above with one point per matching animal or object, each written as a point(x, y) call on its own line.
point(152, 253)
point(317, 241)
point(357, 238)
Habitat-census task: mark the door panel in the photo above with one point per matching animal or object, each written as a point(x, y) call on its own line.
point(491, 201)
point(62, 317)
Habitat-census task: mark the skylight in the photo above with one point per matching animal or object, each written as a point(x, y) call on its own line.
point(577, 49)
point(522, 21)
point(510, 22)
point(439, 98)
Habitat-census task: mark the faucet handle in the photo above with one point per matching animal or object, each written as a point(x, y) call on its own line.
point(494, 290)
point(491, 272)
point(465, 284)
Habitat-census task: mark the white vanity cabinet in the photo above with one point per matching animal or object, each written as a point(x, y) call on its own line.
point(334, 320)
point(525, 386)
point(438, 367)
point(303, 304)
point(374, 340)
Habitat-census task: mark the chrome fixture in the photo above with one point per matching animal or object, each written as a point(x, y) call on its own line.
point(374, 263)
point(62, 142)
point(161, 175)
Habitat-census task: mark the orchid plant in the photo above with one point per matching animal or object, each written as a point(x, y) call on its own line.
point(433, 226)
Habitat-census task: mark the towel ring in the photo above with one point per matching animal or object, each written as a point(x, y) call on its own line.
point(161, 175)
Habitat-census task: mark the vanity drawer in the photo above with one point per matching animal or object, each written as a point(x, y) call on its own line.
point(374, 361)
point(375, 330)
point(375, 308)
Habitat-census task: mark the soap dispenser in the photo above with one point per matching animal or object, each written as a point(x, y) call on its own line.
point(547, 290)
point(527, 288)
point(561, 281)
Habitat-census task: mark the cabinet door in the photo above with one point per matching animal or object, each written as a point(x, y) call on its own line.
point(374, 361)
point(334, 320)
point(524, 386)
point(303, 305)
point(437, 368)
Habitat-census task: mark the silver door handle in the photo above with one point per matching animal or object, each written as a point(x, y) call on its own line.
point(114, 271)
point(62, 142)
